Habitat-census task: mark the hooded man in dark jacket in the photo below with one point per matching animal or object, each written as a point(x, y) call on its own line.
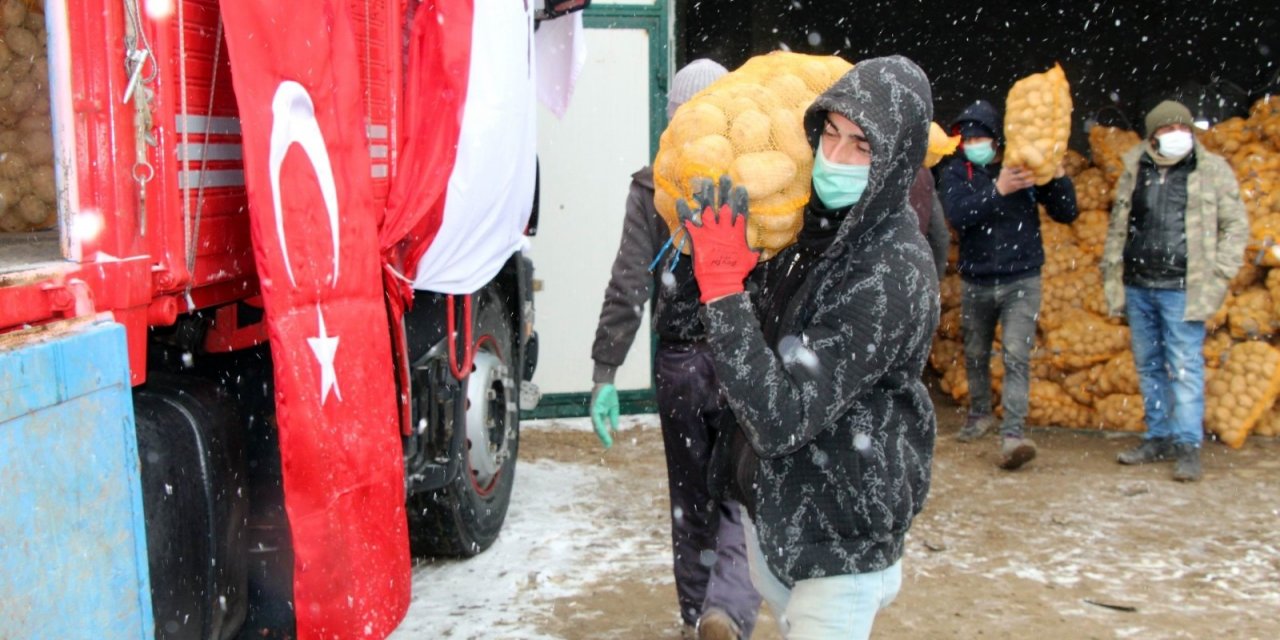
point(993, 211)
point(822, 364)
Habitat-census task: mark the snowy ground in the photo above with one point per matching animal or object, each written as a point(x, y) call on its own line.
point(564, 534)
point(1075, 546)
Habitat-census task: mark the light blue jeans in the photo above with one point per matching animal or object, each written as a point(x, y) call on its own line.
point(841, 607)
point(1169, 354)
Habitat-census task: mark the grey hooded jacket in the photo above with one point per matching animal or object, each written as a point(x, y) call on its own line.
point(836, 409)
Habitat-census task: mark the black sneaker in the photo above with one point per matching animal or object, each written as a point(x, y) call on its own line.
point(975, 427)
point(1187, 468)
point(1151, 450)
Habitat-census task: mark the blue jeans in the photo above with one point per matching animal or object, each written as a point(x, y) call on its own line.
point(843, 606)
point(1169, 354)
point(1016, 306)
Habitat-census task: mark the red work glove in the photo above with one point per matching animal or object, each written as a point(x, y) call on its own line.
point(721, 257)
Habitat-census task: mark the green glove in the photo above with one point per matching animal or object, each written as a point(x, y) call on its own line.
point(604, 405)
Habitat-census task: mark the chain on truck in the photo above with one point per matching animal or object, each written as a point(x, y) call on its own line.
point(145, 478)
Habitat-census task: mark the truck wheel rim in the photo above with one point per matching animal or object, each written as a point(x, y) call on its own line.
point(488, 413)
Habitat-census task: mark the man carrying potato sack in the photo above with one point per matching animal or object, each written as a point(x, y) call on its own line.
point(993, 210)
point(710, 564)
point(821, 360)
point(1176, 238)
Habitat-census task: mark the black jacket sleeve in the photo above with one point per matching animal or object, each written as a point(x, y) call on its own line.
point(1059, 199)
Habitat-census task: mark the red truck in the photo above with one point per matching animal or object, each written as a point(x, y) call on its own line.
point(154, 229)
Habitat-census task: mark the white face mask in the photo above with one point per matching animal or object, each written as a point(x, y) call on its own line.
point(1175, 144)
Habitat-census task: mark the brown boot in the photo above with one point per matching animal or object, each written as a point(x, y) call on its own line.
point(715, 624)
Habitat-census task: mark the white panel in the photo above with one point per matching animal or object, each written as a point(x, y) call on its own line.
point(586, 162)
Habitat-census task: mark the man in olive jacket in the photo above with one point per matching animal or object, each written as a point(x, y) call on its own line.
point(1176, 238)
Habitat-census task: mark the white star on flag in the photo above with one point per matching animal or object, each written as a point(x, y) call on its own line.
point(325, 347)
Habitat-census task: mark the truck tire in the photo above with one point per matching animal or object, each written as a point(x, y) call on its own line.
point(464, 517)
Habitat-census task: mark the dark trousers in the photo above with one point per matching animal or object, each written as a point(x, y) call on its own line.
point(1016, 306)
point(707, 540)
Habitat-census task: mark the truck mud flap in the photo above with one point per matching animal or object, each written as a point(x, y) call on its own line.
point(191, 448)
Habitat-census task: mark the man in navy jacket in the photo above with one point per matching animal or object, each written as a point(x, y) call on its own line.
point(993, 211)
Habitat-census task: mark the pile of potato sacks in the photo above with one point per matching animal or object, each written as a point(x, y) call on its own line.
point(28, 193)
point(1083, 373)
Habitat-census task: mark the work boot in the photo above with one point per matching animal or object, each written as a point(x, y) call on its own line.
point(1015, 452)
point(1151, 450)
point(975, 427)
point(715, 624)
point(1187, 467)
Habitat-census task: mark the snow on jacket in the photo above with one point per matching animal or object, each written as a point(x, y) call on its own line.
point(1217, 229)
point(675, 312)
point(836, 409)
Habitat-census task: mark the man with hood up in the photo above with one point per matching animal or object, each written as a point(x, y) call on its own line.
point(821, 364)
point(709, 554)
point(993, 211)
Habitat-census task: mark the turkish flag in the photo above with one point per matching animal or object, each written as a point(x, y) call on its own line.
point(315, 238)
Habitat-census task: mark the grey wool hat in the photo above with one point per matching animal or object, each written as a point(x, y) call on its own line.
point(691, 79)
point(1167, 113)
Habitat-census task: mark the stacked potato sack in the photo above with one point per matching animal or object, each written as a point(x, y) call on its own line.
point(1037, 123)
point(1107, 145)
point(1242, 391)
point(28, 194)
point(749, 125)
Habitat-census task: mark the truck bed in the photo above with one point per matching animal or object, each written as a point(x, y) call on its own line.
point(22, 251)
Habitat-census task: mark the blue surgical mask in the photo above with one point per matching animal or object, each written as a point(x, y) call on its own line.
point(980, 153)
point(838, 185)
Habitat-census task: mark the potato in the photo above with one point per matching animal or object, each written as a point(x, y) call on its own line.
point(750, 132)
point(763, 173)
point(22, 42)
point(14, 13)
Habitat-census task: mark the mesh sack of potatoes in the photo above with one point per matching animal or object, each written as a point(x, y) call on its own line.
point(1216, 346)
point(955, 383)
point(1255, 160)
point(1242, 391)
point(1249, 275)
point(1075, 163)
point(949, 324)
point(1108, 145)
point(1264, 116)
point(1117, 375)
point(1250, 315)
point(945, 354)
point(1037, 123)
point(1079, 385)
point(1044, 368)
point(749, 125)
point(1120, 412)
point(1093, 189)
point(940, 146)
point(1061, 252)
point(951, 289)
point(1260, 194)
point(1264, 241)
point(1219, 317)
point(1085, 340)
point(28, 192)
point(1090, 228)
point(1226, 137)
point(1050, 404)
point(1269, 425)
point(1077, 290)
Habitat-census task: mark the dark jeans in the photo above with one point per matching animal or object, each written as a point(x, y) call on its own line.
point(710, 560)
point(1016, 306)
